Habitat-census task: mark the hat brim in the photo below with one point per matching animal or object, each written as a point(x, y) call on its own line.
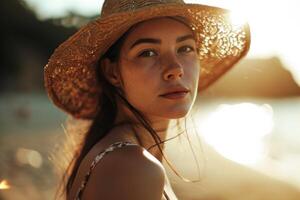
point(70, 73)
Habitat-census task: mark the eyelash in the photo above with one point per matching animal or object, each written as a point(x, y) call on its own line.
point(153, 50)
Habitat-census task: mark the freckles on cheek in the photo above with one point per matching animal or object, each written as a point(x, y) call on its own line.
point(193, 71)
point(139, 75)
point(134, 81)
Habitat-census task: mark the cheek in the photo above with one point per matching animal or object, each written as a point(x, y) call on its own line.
point(140, 74)
point(139, 84)
point(145, 64)
point(192, 69)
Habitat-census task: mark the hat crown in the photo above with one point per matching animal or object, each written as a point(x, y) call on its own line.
point(115, 6)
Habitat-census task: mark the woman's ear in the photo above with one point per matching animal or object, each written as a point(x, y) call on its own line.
point(110, 72)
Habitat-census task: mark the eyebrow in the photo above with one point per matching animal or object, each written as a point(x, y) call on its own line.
point(158, 41)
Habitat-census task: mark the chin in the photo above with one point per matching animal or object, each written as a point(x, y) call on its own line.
point(177, 115)
point(177, 111)
point(171, 112)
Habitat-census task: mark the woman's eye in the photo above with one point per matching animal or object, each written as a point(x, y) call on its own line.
point(147, 53)
point(186, 49)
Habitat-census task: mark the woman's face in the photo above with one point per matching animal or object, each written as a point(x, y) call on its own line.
point(158, 55)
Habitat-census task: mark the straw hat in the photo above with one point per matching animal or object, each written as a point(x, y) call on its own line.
point(70, 75)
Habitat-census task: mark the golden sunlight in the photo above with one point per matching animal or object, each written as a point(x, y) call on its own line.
point(237, 131)
point(4, 185)
point(274, 28)
point(238, 18)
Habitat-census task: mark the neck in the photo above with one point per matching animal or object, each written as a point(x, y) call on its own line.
point(160, 125)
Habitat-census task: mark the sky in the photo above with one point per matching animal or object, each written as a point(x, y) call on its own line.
point(274, 25)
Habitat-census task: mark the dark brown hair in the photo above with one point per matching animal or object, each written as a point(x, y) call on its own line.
point(103, 122)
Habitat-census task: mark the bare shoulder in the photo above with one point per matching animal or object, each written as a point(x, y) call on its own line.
point(126, 173)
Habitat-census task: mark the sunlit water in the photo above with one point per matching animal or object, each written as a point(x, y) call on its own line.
point(260, 133)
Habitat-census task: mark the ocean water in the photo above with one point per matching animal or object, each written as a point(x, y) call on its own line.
point(26, 113)
point(263, 134)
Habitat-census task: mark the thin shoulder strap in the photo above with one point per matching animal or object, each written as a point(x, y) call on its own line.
point(99, 156)
point(166, 195)
point(96, 160)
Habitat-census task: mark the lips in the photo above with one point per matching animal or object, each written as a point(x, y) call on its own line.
point(176, 90)
point(175, 93)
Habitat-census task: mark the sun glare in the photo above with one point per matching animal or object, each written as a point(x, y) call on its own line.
point(4, 185)
point(238, 18)
point(273, 25)
point(237, 131)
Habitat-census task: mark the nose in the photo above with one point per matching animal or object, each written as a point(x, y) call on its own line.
point(174, 70)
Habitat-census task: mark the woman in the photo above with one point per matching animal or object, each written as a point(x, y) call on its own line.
point(134, 72)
